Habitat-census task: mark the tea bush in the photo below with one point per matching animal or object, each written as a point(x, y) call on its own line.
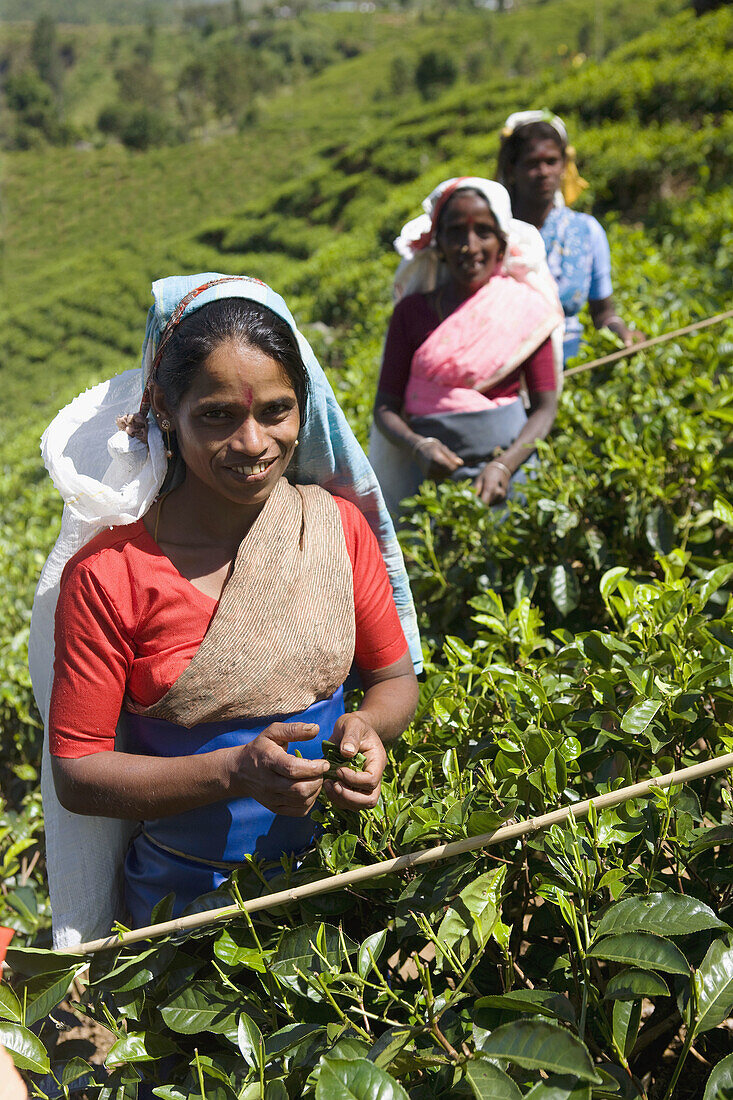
point(579, 640)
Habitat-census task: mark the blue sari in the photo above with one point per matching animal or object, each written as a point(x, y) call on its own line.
point(192, 853)
point(580, 263)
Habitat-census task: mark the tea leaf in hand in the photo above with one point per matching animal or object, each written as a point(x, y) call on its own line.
point(336, 759)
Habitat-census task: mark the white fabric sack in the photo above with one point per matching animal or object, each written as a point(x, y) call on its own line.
point(104, 479)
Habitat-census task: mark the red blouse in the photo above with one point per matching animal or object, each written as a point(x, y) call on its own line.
point(413, 320)
point(128, 624)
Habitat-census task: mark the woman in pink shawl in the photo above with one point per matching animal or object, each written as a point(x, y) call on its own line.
point(477, 320)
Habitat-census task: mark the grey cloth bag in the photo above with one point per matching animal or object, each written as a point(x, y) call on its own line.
point(474, 436)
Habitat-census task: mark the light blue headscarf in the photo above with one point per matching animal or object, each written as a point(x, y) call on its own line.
point(329, 454)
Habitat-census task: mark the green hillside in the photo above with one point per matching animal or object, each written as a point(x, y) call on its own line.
point(593, 644)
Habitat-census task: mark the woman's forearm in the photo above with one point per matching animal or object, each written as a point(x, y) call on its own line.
point(395, 428)
point(603, 314)
point(389, 705)
point(124, 785)
point(118, 784)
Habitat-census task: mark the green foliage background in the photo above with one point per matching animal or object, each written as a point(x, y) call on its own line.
point(580, 641)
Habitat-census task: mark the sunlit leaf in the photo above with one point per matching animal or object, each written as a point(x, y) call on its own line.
point(666, 914)
point(714, 984)
point(564, 589)
point(10, 1007)
point(249, 1040)
point(139, 1047)
point(638, 717)
point(44, 992)
point(643, 950)
point(720, 1082)
point(25, 1048)
point(370, 951)
point(357, 1080)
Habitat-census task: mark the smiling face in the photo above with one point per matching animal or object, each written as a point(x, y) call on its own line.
point(538, 172)
point(468, 237)
point(237, 423)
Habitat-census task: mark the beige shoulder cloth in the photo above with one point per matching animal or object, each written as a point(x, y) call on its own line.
point(283, 635)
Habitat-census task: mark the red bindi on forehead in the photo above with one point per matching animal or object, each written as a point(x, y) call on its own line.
point(247, 396)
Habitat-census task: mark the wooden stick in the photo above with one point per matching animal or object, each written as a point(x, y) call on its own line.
point(624, 352)
point(408, 861)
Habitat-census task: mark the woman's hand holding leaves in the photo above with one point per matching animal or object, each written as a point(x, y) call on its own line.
point(353, 789)
point(264, 770)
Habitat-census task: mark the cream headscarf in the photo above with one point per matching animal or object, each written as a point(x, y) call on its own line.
point(422, 269)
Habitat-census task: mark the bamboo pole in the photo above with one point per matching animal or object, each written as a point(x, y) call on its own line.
point(408, 861)
point(624, 352)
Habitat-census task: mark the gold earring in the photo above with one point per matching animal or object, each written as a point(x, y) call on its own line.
point(297, 441)
point(165, 427)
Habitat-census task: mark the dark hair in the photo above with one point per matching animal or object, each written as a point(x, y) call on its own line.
point(241, 319)
point(469, 191)
point(512, 148)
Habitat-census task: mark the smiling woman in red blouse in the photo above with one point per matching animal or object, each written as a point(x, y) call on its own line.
point(222, 626)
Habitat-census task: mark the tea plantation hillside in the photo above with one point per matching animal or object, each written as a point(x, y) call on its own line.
point(217, 68)
point(580, 642)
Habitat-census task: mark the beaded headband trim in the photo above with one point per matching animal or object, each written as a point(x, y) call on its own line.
point(175, 319)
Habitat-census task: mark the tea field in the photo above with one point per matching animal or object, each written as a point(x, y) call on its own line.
point(579, 643)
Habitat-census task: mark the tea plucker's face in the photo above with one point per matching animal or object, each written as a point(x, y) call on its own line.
point(537, 175)
point(469, 240)
point(237, 424)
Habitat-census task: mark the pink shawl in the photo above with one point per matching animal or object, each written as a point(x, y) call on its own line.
point(478, 345)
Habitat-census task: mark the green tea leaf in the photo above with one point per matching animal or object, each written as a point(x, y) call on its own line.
point(714, 985)
point(638, 717)
point(643, 950)
point(660, 530)
point(537, 1044)
point(74, 1069)
point(10, 1007)
point(720, 1082)
point(233, 947)
point(296, 950)
point(249, 1040)
point(357, 1080)
point(25, 1048)
point(276, 1090)
point(289, 1037)
point(139, 1047)
point(666, 914)
point(610, 580)
point(633, 984)
point(490, 1083)
point(35, 960)
point(626, 1019)
point(200, 1007)
point(564, 589)
point(559, 1088)
point(371, 948)
point(723, 510)
point(44, 992)
point(336, 759)
point(543, 1002)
